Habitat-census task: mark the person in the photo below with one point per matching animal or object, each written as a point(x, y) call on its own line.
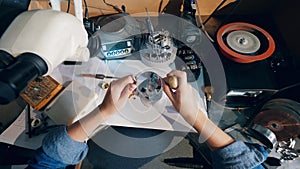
point(67, 145)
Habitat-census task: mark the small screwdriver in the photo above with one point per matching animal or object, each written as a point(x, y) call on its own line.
point(98, 76)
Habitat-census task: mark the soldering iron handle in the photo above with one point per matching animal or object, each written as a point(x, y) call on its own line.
point(100, 76)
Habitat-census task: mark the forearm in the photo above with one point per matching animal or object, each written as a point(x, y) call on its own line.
point(215, 137)
point(239, 155)
point(58, 150)
point(82, 129)
point(226, 152)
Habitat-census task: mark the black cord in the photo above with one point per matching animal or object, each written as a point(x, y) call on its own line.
point(114, 6)
point(124, 8)
point(160, 5)
point(86, 13)
point(69, 4)
point(29, 121)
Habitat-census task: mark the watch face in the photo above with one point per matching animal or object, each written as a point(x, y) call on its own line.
point(149, 87)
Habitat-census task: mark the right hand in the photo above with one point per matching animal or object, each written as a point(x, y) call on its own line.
point(117, 95)
point(182, 98)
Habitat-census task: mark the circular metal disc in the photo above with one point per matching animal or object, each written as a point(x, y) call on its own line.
point(243, 42)
point(149, 87)
point(285, 125)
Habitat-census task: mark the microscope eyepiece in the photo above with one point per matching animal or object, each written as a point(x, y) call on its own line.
point(15, 77)
point(5, 59)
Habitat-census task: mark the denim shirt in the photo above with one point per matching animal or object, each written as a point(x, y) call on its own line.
point(239, 155)
point(58, 150)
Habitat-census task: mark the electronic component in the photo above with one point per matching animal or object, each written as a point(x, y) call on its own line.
point(149, 87)
point(118, 37)
point(41, 91)
point(117, 49)
point(35, 52)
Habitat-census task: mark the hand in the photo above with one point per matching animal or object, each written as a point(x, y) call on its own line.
point(117, 95)
point(182, 98)
point(114, 100)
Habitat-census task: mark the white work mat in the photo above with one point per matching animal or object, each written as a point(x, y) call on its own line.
point(161, 115)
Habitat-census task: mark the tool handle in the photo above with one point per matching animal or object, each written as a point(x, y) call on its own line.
point(100, 76)
point(172, 81)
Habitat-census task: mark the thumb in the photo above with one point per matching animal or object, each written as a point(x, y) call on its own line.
point(169, 92)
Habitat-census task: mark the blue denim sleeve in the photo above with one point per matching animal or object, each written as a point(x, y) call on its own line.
point(58, 150)
point(239, 155)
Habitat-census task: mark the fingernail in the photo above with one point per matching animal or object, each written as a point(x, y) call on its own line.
point(132, 87)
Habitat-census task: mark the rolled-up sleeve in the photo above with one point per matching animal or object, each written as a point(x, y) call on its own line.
point(59, 150)
point(239, 155)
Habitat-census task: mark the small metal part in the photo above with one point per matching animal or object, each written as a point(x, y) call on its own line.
point(131, 95)
point(243, 42)
point(244, 93)
point(287, 151)
point(264, 135)
point(143, 89)
point(208, 90)
point(36, 122)
point(159, 49)
point(148, 87)
point(189, 57)
point(104, 85)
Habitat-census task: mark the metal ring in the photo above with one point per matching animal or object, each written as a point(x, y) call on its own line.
point(238, 57)
point(36, 122)
point(264, 135)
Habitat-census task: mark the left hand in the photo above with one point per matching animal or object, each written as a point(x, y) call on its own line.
point(117, 95)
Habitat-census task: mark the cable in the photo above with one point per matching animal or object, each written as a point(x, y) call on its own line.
point(113, 6)
point(86, 13)
point(124, 9)
point(203, 28)
point(94, 7)
point(69, 4)
point(160, 5)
